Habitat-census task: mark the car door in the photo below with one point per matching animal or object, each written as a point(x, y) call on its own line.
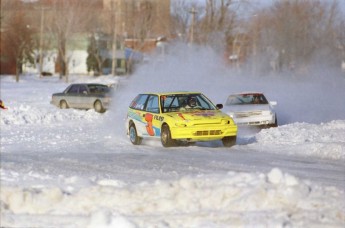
point(84, 98)
point(145, 114)
point(151, 116)
point(72, 96)
point(137, 113)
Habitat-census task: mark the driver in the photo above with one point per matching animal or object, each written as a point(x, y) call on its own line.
point(256, 100)
point(191, 102)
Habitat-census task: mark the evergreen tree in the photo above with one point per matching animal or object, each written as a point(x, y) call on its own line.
point(93, 56)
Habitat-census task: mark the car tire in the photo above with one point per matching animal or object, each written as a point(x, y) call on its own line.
point(133, 135)
point(166, 139)
point(275, 124)
point(229, 141)
point(98, 107)
point(63, 104)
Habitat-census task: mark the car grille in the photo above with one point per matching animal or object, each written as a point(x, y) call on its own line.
point(247, 114)
point(212, 132)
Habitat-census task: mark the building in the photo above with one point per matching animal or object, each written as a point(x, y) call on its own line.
point(135, 24)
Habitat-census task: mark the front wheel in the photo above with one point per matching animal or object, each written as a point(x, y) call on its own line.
point(98, 107)
point(166, 139)
point(63, 104)
point(229, 141)
point(133, 135)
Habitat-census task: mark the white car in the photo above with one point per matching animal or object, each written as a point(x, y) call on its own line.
point(251, 108)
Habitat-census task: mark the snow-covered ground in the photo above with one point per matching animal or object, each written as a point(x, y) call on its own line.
point(77, 168)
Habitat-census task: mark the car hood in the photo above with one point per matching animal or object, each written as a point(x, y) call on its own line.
point(212, 116)
point(58, 94)
point(244, 108)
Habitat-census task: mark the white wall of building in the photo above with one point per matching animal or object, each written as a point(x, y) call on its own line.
point(76, 63)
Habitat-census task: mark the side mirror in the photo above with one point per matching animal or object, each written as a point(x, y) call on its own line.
point(85, 92)
point(273, 103)
point(219, 106)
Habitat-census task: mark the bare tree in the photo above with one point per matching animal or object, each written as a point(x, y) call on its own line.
point(144, 21)
point(18, 34)
point(211, 22)
point(67, 18)
point(218, 21)
point(182, 17)
point(296, 30)
point(340, 42)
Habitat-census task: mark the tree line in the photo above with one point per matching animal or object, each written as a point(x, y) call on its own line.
point(288, 34)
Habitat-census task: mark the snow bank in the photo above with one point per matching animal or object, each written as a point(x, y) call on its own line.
point(28, 114)
point(28, 101)
point(275, 199)
point(326, 140)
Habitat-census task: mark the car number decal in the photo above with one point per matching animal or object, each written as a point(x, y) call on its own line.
point(149, 126)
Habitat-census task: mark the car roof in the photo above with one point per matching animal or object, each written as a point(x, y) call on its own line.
point(172, 93)
point(246, 93)
point(88, 84)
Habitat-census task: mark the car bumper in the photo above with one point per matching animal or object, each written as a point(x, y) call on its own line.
point(256, 121)
point(203, 133)
point(54, 103)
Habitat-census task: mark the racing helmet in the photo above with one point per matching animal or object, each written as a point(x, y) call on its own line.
point(191, 101)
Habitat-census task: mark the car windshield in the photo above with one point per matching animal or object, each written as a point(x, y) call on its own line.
point(185, 102)
point(244, 99)
point(97, 89)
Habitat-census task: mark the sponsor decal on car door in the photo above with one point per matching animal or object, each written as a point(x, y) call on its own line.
point(152, 123)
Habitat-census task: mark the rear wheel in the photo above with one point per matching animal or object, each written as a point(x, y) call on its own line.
point(98, 107)
point(229, 141)
point(166, 139)
point(63, 104)
point(133, 135)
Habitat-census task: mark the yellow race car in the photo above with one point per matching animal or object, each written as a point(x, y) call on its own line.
point(178, 118)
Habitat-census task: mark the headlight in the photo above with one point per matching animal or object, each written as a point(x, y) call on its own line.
point(226, 121)
point(181, 123)
point(178, 124)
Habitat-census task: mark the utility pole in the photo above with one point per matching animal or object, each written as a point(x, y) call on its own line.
point(41, 42)
point(255, 43)
point(193, 12)
point(113, 65)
